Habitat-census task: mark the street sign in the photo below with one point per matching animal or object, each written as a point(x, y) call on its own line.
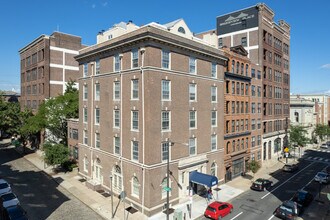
point(286, 155)
point(286, 150)
point(167, 189)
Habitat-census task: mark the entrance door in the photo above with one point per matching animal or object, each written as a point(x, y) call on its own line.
point(238, 167)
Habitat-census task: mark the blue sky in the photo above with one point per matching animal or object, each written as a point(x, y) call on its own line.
point(22, 21)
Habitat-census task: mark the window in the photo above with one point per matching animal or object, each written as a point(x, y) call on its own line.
point(242, 88)
point(233, 107)
point(97, 91)
point(192, 65)
point(233, 126)
point(233, 87)
point(116, 121)
point(97, 66)
point(97, 140)
point(237, 67)
point(244, 41)
point(214, 169)
point(237, 88)
point(166, 90)
point(192, 92)
point(192, 119)
point(253, 109)
point(192, 146)
point(213, 142)
point(213, 94)
point(117, 145)
point(135, 58)
point(181, 30)
point(85, 88)
point(135, 120)
point(259, 91)
point(214, 70)
point(247, 70)
point(214, 118)
point(259, 140)
point(117, 62)
point(253, 90)
point(85, 137)
point(86, 164)
point(135, 150)
point(259, 74)
point(253, 73)
point(296, 116)
point(135, 88)
point(233, 66)
point(165, 151)
point(165, 120)
point(165, 59)
point(259, 107)
point(97, 116)
point(85, 69)
point(220, 43)
point(85, 115)
point(246, 89)
point(253, 141)
point(116, 92)
point(135, 187)
point(253, 124)
point(247, 143)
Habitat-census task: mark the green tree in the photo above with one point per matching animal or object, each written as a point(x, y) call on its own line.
point(322, 131)
point(298, 136)
point(56, 154)
point(9, 116)
point(253, 166)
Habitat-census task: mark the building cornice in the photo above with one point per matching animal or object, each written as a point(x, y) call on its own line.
point(34, 42)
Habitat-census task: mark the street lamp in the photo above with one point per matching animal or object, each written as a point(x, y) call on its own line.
point(111, 195)
point(168, 180)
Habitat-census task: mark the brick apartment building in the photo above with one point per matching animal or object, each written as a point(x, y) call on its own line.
point(268, 47)
point(146, 92)
point(47, 64)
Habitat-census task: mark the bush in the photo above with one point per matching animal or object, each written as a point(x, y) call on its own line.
point(56, 154)
point(68, 165)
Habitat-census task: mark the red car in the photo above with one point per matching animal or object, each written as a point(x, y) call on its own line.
point(217, 210)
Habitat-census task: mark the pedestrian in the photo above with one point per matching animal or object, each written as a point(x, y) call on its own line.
point(209, 194)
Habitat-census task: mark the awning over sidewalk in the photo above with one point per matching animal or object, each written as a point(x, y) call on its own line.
point(203, 179)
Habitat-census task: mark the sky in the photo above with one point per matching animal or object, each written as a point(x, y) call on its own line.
point(23, 21)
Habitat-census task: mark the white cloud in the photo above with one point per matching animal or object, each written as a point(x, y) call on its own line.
point(326, 66)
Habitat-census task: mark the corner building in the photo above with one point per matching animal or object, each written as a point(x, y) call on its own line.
point(142, 89)
point(268, 47)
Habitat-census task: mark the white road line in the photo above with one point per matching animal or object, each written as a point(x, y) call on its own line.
point(237, 215)
point(286, 181)
point(309, 158)
point(271, 217)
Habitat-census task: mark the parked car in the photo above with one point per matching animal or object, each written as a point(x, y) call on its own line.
point(290, 167)
point(9, 199)
point(288, 210)
point(15, 212)
point(4, 187)
point(302, 198)
point(261, 184)
point(217, 210)
point(324, 146)
point(322, 177)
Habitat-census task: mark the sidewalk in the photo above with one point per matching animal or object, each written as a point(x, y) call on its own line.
point(102, 205)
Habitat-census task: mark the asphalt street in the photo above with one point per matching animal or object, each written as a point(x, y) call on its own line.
point(38, 193)
point(254, 205)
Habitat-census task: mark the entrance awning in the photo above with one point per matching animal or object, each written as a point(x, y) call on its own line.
point(203, 179)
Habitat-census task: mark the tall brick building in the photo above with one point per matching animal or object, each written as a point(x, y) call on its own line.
point(268, 47)
point(47, 64)
point(146, 93)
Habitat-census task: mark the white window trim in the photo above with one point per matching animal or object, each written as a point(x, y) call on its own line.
point(85, 88)
point(216, 142)
point(169, 88)
point(86, 163)
point(216, 70)
point(191, 128)
point(132, 87)
point(97, 98)
point(195, 86)
point(85, 111)
point(132, 128)
point(114, 146)
point(169, 59)
point(169, 124)
point(195, 146)
point(216, 94)
point(216, 118)
point(99, 140)
point(132, 187)
point(132, 147)
point(195, 72)
point(97, 122)
point(114, 118)
point(114, 90)
point(133, 57)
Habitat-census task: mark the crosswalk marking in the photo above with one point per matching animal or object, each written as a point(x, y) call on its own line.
point(319, 159)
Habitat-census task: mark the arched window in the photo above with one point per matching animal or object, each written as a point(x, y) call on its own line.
point(135, 187)
point(117, 179)
point(238, 145)
point(228, 147)
point(214, 169)
point(234, 146)
point(247, 70)
point(296, 116)
point(233, 66)
point(237, 67)
point(242, 144)
point(181, 30)
point(242, 69)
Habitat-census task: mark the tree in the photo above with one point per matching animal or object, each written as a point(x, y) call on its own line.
point(322, 131)
point(56, 154)
point(9, 116)
point(298, 136)
point(57, 110)
point(254, 166)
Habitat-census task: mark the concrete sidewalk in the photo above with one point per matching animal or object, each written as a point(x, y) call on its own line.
point(102, 205)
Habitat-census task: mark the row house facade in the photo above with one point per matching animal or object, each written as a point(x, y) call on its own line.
point(147, 93)
point(268, 47)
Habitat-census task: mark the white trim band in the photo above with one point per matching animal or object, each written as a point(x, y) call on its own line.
point(64, 50)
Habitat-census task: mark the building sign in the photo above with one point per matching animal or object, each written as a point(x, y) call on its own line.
point(237, 21)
